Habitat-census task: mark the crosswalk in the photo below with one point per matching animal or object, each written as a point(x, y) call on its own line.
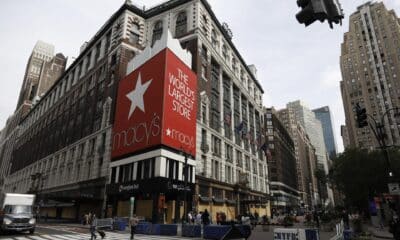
point(85, 236)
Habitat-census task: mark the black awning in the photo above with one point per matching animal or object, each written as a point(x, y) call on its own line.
point(231, 202)
point(204, 199)
point(218, 200)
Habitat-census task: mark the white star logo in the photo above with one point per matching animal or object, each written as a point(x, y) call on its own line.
point(168, 132)
point(136, 96)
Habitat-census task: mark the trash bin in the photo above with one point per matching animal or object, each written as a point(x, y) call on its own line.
point(347, 234)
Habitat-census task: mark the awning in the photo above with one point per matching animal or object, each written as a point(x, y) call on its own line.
point(205, 199)
point(218, 200)
point(230, 202)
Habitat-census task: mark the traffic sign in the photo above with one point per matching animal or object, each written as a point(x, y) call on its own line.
point(394, 188)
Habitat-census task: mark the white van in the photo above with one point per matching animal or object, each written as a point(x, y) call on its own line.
point(16, 212)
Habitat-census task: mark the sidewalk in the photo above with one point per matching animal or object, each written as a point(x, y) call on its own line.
point(380, 233)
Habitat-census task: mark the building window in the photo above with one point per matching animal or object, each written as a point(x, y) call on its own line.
point(239, 159)
point(181, 25)
point(215, 170)
point(228, 153)
point(214, 39)
point(134, 34)
point(216, 146)
point(157, 32)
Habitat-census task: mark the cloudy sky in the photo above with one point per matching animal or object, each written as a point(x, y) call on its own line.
point(293, 62)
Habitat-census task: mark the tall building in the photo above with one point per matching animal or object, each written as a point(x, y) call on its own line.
point(313, 127)
point(324, 115)
point(42, 70)
point(370, 72)
point(67, 141)
point(306, 159)
point(345, 136)
point(282, 164)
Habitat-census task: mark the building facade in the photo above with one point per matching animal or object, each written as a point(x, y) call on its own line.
point(370, 68)
point(67, 135)
point(345, 136)
point(306, 160)
point(42, 70)
point(324, 115)
point(282, 164)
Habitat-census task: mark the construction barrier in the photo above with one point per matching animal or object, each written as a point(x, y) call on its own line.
point(296, 234)
point(191, 231)
point(105, 223)
point(215, 231)
point(144, 228)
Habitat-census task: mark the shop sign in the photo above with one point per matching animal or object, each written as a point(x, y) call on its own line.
point(128, 188)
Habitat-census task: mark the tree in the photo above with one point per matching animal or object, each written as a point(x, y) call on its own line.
point(361, 175)
point(322, 179)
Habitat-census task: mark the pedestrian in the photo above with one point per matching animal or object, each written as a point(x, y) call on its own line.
point(93, 224)
point(345, 218)
point(316, 218)
point(198, 218)
point(382, 217)
point(133, 222)
point(190, 217)
point(394, 227)
point(205, 217)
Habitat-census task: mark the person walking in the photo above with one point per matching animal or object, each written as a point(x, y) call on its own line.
point(316, 217)
point(205, 217)
point(394, 227)
point(345, 218)
point(93, 224)
point(198, 218)
point(133, 222)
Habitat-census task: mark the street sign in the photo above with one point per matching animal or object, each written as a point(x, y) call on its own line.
point(394, 188)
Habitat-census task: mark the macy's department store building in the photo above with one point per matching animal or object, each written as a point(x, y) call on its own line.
point(154, 145)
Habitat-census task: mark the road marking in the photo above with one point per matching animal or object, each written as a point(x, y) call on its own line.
point(86, 236)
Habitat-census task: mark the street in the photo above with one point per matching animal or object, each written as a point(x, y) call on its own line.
point(58, 232)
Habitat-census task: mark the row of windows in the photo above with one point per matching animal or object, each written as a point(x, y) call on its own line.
point(145, 169)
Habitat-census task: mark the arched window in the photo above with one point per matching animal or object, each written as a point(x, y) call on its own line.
point(157, 32)
point(181, 24)
point(134, 34)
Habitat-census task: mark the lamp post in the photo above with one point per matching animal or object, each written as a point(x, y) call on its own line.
point(185, 171)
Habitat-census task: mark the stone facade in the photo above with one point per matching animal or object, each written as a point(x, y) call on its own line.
point(370, 66)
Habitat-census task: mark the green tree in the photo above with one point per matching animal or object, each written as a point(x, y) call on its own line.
point(360, 175)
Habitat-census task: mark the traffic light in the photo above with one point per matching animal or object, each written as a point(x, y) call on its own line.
point(361, 116)
point(321, 10)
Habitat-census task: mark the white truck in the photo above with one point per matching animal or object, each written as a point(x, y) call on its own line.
point(16, 212)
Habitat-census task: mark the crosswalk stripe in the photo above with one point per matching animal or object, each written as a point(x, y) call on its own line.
point(86, 236)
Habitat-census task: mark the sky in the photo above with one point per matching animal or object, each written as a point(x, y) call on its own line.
point(293, 62)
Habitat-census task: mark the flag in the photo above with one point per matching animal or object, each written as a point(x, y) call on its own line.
point(228, 119)
point(239, 128)
point(266, 151)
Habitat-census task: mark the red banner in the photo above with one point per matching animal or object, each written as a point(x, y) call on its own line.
point(156, 105)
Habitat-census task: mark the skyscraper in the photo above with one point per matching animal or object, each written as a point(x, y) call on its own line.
point(370, 66)
point(306, 160)
point(313, 127)
point(324, 115)
point(42, 70)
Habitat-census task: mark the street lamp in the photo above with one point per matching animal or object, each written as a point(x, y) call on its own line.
point(185, 180)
